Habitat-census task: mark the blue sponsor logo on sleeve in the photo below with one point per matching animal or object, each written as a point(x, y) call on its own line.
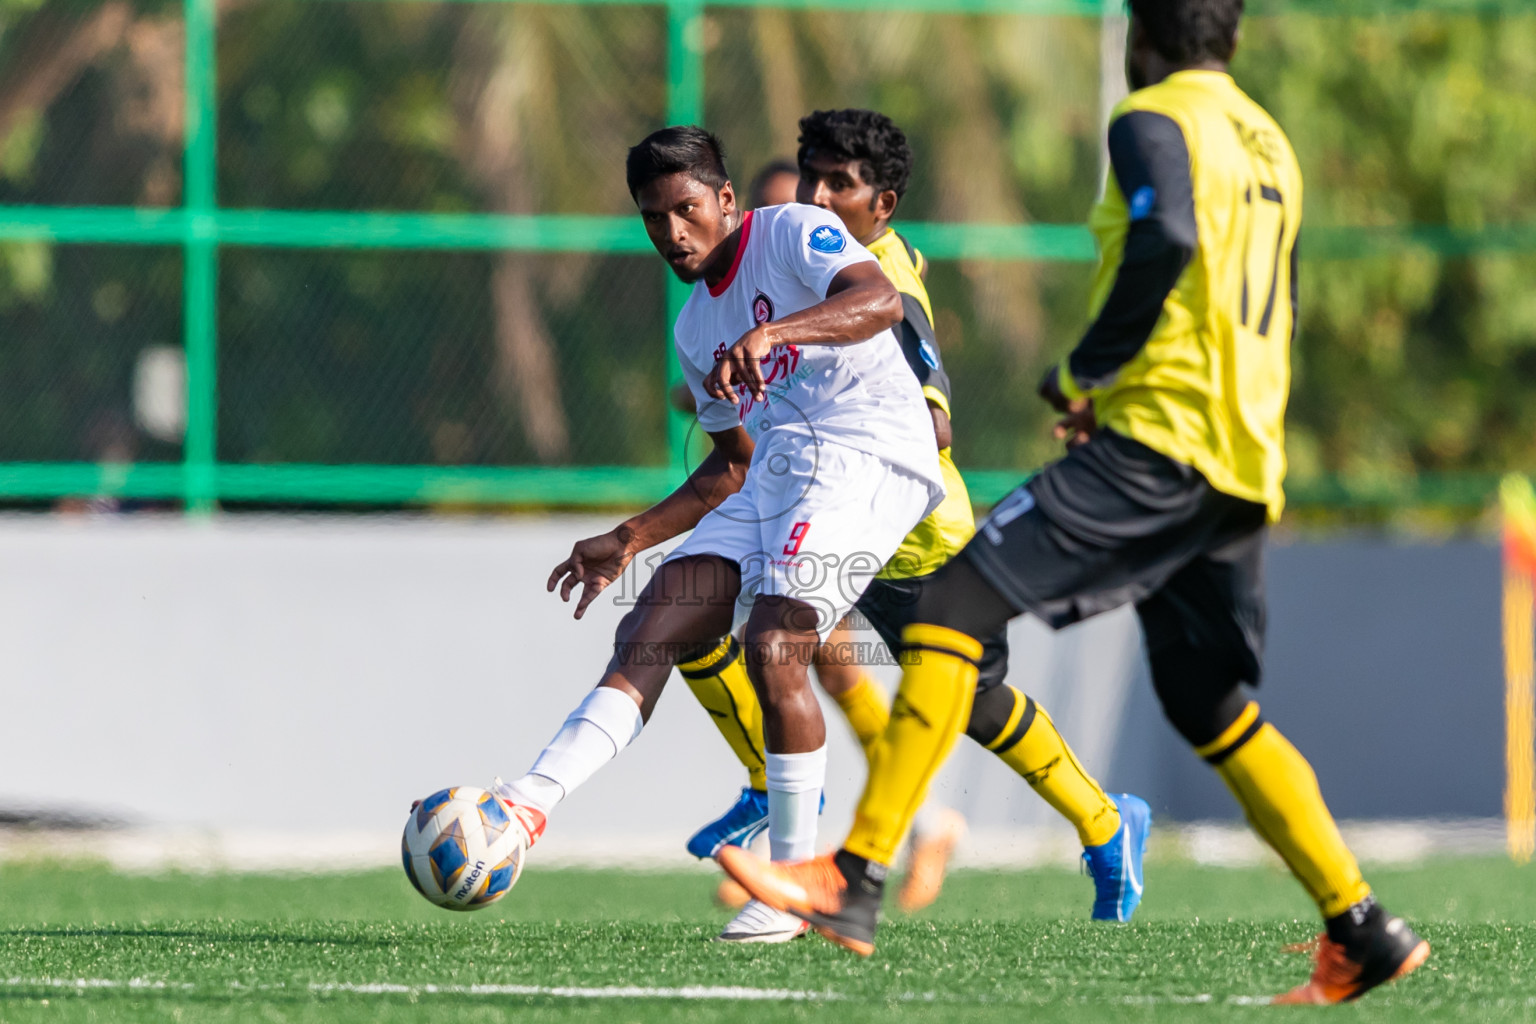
point(929, 355)
point(1142, 202)
point(827, 239)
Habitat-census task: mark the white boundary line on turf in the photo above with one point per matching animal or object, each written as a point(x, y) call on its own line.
point(735, 993)
point(1204, 997)
point(85, 983)
point(687, 992)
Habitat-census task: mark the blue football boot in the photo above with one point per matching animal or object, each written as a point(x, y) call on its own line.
point(1116, 865)
point(744, 822)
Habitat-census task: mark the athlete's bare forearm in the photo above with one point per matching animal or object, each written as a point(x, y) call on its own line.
point(596, 562)
point(861, 302)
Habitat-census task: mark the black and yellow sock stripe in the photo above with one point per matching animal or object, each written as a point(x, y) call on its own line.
point(1278, 792)
point(1247, 725)
point(719, 680)
point(1023, 736)
point(1000, 718)
point(726, 651)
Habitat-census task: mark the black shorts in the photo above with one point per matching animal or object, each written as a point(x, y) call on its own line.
point(1117, 523)
point(888, 606)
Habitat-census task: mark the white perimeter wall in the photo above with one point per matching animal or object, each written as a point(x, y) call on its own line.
point(315, 675)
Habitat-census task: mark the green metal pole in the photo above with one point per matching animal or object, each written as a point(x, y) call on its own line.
point(200, 254)
point(685, 105)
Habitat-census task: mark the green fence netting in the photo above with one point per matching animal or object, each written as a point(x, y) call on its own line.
point(335, 251)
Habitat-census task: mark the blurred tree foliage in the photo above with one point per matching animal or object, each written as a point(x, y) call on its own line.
point(1414, 362)
point(90, 112)
point(1418, 361)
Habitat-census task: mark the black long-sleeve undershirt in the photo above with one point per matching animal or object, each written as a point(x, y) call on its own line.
point(1151, 165)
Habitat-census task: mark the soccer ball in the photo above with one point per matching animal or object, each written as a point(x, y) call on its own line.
point(461, 848)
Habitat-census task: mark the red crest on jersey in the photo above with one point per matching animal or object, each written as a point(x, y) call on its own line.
point(762, 308)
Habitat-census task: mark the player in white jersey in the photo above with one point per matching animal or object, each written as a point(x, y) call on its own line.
point(831, 421)
point(823, 460)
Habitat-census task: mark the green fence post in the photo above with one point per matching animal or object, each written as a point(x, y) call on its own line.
point(200, 271)
point(685, 105)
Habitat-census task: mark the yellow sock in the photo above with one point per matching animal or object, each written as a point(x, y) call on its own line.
point(931, 708)
point(1278, 791)
point(719, 680)
point(867, 709)
point(1031, 746)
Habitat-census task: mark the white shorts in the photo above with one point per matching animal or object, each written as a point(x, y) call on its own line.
point(814, 522)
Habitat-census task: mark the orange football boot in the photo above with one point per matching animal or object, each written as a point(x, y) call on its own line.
point(929, 859)
point(730, 895)
point(1341, 975)
point(818, 891)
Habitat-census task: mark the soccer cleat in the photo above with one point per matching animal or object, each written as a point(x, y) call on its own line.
point(929, 858)
point(1340, 974)
point(839, 894)
point(1115, 866)
point(759, 922)
point(529, 819)
point(730, 895)
point(744, 822)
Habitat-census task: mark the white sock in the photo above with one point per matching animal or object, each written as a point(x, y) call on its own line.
point(603, 724)
point(794, 801)
point(533, 791)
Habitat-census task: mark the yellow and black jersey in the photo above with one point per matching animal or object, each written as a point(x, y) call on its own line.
point(905, 267)
point(1195, 296)
point(937, 538)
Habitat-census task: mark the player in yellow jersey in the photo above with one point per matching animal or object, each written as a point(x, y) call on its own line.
point(856, 163)
point(1175, 399)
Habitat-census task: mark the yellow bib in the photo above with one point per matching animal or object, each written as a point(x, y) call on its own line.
point(1210, 386)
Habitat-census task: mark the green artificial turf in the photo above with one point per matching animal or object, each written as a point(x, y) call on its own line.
point(81, 944)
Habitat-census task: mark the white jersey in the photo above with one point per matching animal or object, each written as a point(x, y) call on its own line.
point(862, 396)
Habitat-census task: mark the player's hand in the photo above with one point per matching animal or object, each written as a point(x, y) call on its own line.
point(1078, 425)
point(594, 563)
point(741, 364)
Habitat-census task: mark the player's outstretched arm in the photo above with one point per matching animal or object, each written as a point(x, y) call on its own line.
point(861, 302)
point(597, 561)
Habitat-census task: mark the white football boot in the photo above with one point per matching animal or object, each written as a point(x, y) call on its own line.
point(758, 922)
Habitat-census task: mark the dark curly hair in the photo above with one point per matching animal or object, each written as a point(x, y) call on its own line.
point(884, 158)
point(1190, 31)
point(676, 150)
